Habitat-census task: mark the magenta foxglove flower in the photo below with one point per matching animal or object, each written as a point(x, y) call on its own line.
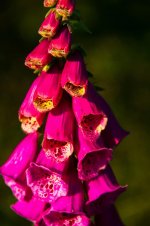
point(90, 118)
point(92, 157)
point(39, 56)
point(59, 131)
point(50, 25)
point(48, 92)
point(45, 184)
point(31, 210)
point(102, 191)
point(21, 157)
point(50, 3)
point(74, 76)
point(65, 7)
point(60, 45)
point(108, 217)
point(30, 118)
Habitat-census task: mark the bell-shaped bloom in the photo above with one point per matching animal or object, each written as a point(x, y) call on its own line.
point(21, 157)
point(45, 184)
point(74, 76)
point(91, 119)
point(108, 217)
point(49, 3)
point(30, 118)
point(51, 163)
point(31, 210)
point(39, 56)
point(92, 157)
point(59, 131)
point(48, 92)
point(65, 7)
point(102, 191)
point(50, 25)
point(60, 45)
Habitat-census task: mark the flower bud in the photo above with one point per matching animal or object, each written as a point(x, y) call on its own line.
point(39, 56)
point(61, 43)
point(48, 92)
point(59, 132)
point(49, 3)
point(50, 25)
point(65, 7)
point(74, 76)
point(30, 118)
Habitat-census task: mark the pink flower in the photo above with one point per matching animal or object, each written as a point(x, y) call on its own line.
point(61, 43)
point(45, 184)
point(59, 131)
point(74, 76)
point(102, 191)
point(92, 157)
point(39, 56)
point(50, 25)
point(30, 118)
point(48, 92)
point(50, 3)
point(65, 7)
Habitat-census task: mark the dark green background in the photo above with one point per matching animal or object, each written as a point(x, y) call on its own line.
point(119, 57)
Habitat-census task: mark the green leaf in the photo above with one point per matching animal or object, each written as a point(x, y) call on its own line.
point(78, 25)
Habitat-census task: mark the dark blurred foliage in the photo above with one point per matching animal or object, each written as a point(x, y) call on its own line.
point(118, 54)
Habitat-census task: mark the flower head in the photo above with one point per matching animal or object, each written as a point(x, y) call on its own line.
point(65, 7)
point(50, 3)
point(74, 76)
point(50, 25)
point(39, 56)
point(60, 44)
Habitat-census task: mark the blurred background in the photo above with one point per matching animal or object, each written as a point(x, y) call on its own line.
point(118, 54)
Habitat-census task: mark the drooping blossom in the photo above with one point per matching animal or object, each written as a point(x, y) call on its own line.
point(45, 184)
point(39, 56)
point(48, 92)
point(60, 45)
point(65, 7)
point(30, 118)
point(74, 76)
point(50, 25)
point(108, 217)
point(49, 3)
point(92, 157)
point(59, 131)
point(102, 191)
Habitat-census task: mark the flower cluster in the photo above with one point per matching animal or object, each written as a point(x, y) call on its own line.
point(68, 180)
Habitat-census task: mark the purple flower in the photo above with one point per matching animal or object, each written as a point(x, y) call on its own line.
point(48, 92)
point(102, 191)
point(30, 118)
point(39, 56)
point(50, 25)
point(59, 131)
point(74, 76)
point(65, 7)
point(45, 184)
point(61, 43)
point(92, 157)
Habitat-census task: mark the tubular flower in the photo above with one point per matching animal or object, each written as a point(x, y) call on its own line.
point(60, 45)
point(65, 8)
point(30, 118)
point(50, 25)
point(49, 3)
point(91, 119)
point(102, 191)
point(59, 132)
point(39, 56)
point(48, 92)
point(108, 217)
point(92, 157)
point(45, 184)
point(74, 76)
point(19, 160)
